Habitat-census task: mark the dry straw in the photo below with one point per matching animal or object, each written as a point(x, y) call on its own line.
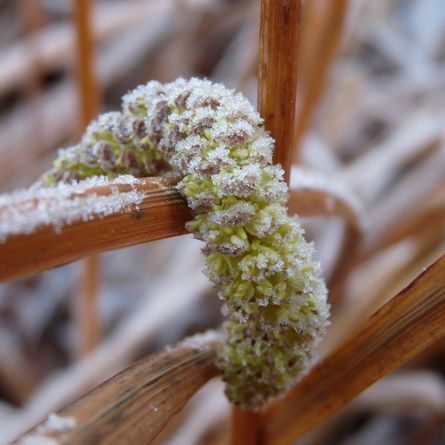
point(394, 223)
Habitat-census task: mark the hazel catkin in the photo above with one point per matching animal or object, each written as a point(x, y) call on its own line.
point(214, 140)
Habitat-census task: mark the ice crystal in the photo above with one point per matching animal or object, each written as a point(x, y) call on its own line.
point(212, 137)
point(23, 211)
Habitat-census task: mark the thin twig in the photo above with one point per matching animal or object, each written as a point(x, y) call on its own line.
point(277, 73)
point(33, 18)
point(161, 214)
point(86, 316)
point(277, 95)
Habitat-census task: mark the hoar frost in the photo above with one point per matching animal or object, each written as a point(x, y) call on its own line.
point(24, 211)
point(214, 140)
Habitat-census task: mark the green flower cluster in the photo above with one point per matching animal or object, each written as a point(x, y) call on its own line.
point(212, 137)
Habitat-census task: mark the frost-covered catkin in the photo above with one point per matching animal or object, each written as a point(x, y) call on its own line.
point(212, 137)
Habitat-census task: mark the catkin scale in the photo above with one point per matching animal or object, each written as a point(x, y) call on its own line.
point(214, 140)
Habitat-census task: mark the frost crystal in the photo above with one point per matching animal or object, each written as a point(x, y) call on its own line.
point(212, 137)
point(23, 211)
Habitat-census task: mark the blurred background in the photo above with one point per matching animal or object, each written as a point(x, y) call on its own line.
point(371, 110)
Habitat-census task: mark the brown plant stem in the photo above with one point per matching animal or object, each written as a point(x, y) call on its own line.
point(245, 427)
point(277, 73)
point(33, 19)
point(277, 95)
point(161, 214)
point(86, 316)
point(404, 326)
